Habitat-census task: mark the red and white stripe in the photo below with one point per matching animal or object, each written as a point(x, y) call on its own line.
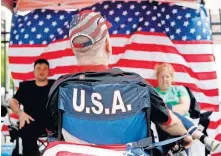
point(63, 148)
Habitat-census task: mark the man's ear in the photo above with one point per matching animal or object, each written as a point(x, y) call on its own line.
point(108, 47)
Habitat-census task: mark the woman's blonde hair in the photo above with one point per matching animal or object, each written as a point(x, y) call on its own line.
point(164, 66)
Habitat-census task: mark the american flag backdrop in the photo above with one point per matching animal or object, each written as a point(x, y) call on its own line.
point(143, 35)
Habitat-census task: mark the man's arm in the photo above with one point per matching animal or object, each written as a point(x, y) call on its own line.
point(175, 128)
point(14, 105)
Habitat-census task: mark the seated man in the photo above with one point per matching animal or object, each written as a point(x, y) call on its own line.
point(90, 42)
point(33, 95)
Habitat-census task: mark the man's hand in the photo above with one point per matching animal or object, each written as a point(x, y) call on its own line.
point(23, 117)
point(187, 141)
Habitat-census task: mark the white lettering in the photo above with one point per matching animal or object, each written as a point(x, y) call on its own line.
point(82, 104)
point(118, 102)
point(97, 103)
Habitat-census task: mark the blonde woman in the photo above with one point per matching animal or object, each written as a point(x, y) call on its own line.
point(177, 99)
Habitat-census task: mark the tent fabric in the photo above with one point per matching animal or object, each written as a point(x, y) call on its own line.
point(26, 5)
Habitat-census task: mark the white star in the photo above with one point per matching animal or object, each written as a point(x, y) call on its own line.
point(48, 16)
point(128, 32)
point(106, 6)
point(67, 26)
point(59, 29)
point(137, 13)
point(132, 7)
point(124, 13)
point(184, 8)
point(155, 8)
point(61, 32)
point(179, 17)
point(36, 17)
point(119, 6)
point(54, 39)
point(171, 37)
point(167, 16)
point(46, 30)
point(61, 17)
point(26, 36)
point(31, 42)
point(184, 38)
point(204, 30)
point(140, 19)
point(43, 10)
point(134, 26)
point(117, 19)
point(167, 29)
point(111, 12)
point(65, 23)
point(56, 11)
point(115, 32)
point(174, 11)
point(20, 25)
point(26, 18)
point(188, 15)
point(186, 23)
point(94, 8)
point(16, 37)
point(158, 14)
point(139, 29)
point(198, 37)
point(33, 29)
point(29, 23)
point(152, 30)
point(208, 37)
point(40, 23)
point(19, 20)
point(163, 9)
point(122, 25)
point(192, 31)
point(22, 30)
point(15, 31)
point(148, 12)
point(146, 23)
point(20, 42)
point(159, 25)
point(51, 36)
point(172, 24)
point(13, 24)
point(65, 36)
point(38, 36)
point(154, 18)
point(44, 42)
point(130, 19)
point(178, 31)
point(144, 7)
point(54, 23)
point(199, 23)
point(162, 22)
point(11, 42)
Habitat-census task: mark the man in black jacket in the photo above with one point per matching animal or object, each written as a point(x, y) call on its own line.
point(33, 95)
